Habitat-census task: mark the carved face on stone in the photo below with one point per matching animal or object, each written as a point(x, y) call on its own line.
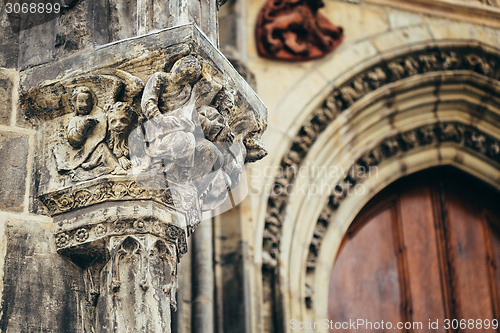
point(186, 69)
point(83, 104)
point(119, 118)
point(83, 101)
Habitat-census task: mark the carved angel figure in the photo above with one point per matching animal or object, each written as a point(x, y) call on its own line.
point(165, 92)
point(86, 133)
point(166, 102)
point(187, 137)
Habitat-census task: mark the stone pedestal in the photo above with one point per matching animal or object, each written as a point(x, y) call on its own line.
point(129, 254)
point(136, 141)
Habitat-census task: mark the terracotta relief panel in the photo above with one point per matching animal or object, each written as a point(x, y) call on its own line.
point(295, 30)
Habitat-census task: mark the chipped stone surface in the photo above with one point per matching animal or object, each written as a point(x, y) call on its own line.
point(14, 152)
point(6, 85)
point(87, 24)
point(42, 290)
point(78, 141)
point(9, 45)
point(136, 141)
point(296, 94)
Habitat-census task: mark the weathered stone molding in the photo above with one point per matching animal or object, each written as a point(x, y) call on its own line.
point(102, 190)
point(393, 119)
point(483, 12)
point(431, 59)
point(121, 227)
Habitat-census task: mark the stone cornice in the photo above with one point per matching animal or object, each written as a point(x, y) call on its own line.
point(471, 11)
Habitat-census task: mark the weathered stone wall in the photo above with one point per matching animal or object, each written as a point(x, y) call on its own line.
point(82, 25)
point(39, 290)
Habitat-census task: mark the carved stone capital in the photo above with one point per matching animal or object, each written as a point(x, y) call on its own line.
point(172, 122)
point(136, 141)
point(82, 234)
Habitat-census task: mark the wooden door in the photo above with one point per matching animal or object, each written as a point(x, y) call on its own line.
point(424, 251)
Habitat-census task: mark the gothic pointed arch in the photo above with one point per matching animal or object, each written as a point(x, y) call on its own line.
point(411, 109)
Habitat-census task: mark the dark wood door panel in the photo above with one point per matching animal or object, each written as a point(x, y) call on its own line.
point(426, 248)
point(421, 250)
point(371, 258)
point(468, 257)
point(492, 223)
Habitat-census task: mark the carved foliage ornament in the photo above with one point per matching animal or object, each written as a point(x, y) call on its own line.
point(117, 189)
point(348, 93)
point(295, 30)
point(114, 227)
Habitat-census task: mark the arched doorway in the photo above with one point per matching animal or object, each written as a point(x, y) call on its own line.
point(426, 248)
point(400, 125)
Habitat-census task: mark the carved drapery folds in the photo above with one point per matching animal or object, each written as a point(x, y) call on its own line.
point(130, 156)
point(295, 30)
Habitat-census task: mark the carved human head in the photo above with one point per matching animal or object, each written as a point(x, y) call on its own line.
point(83, 100)
point(120, 117)
point(187, 69)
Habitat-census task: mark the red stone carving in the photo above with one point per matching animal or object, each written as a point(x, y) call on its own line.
point(294, 30)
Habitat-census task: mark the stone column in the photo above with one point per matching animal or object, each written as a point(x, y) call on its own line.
point(203, 280)
point(136, 141)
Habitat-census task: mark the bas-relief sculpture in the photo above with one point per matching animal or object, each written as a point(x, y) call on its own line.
point(188, 140)
point(295, 30)
point(92, 139)
point(178, 131)
point(132, 168)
